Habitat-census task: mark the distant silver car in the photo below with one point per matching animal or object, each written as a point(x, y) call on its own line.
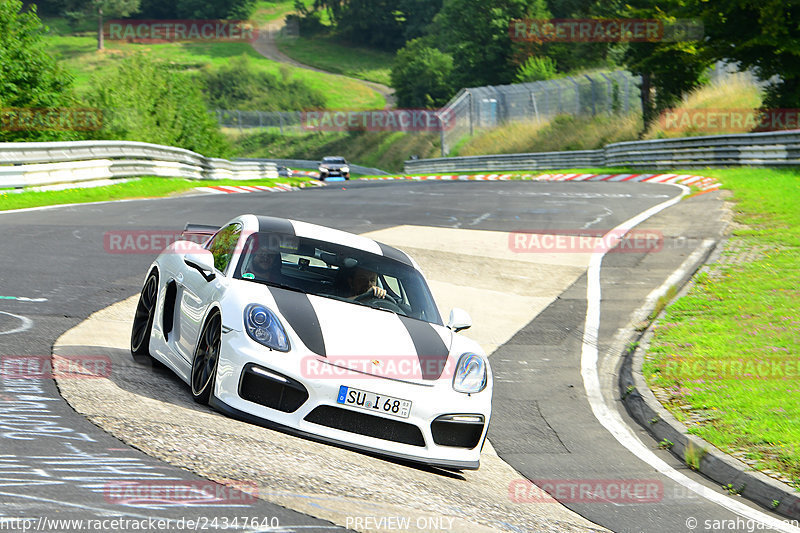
point(285, 172)
point(334, 167)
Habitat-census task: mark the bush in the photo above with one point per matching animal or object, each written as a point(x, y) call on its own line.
point(536, 69)
point(238, 86)
point(421, 76)
point(143, 100)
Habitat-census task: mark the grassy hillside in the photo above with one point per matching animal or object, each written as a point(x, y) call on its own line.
point(736, 93)
point(79, 54)
point(331, 54)
point(562, 133)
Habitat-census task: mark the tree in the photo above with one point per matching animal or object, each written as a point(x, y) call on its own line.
point(670, 68)
point(110, 8)
point(29, 76)
point(417, 16)
point(372, 22)
point(759, 34)
point(476, 34)
point(421, 76)
point(196, 9)
point(143, 100)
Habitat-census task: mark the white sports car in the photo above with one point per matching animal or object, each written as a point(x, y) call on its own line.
point(320, 333)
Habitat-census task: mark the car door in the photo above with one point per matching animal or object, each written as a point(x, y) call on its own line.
point(195, 293)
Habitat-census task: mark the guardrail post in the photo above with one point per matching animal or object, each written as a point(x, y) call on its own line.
point(471, 113)
point(577, 95)
point(594, 94)
point(441, 134)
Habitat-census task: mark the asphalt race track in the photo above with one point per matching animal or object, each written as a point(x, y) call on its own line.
point(58, 270)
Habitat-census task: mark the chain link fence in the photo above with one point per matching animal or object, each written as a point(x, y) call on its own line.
point(478, 108)
point(590, 94)
point(283, 122)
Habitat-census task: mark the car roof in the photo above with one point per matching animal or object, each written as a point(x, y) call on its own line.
point(324, 233)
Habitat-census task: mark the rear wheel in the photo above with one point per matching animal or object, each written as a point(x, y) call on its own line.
point(143, 319)
point(206, 358)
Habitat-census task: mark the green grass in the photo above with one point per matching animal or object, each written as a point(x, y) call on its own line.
point(329, 53)
point(80, 56)
point(561, 133)
point(742, 312)
point(147, 187)
point(267, 11)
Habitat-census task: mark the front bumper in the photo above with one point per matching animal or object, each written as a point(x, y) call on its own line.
point(319, 417)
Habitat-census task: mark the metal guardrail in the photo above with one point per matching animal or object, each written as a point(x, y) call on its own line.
point(26, 164)
point(313, 164)
point(748, 149)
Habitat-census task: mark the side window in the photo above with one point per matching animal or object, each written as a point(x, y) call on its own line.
point(223, 245)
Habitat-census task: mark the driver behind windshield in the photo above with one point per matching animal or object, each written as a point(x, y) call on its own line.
point(363, 283)
point(263, 265)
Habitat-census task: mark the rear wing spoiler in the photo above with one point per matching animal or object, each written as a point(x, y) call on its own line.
point(199, 233)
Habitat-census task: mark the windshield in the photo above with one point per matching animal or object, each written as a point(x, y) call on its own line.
point(334, 160)
point(338, 272)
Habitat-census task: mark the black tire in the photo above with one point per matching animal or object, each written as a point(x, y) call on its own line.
point(206, 358)
point(143, 319)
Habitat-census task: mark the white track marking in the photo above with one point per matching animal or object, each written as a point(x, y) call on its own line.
point(27, 323)
point(609, 418)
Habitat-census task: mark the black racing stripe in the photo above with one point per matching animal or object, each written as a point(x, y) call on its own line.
point(274, 225)
point(394, 253)
point(296, 308)
point(431, 350)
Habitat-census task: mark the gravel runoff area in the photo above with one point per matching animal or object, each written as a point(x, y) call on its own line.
point(152, 410)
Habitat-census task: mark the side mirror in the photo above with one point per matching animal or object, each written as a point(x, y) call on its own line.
point(459, 319)
point(203, 263)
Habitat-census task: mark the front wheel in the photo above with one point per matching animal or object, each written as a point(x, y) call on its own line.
point(143, 319)
point(206, 359)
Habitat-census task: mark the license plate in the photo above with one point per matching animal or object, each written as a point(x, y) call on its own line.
point(376, 403)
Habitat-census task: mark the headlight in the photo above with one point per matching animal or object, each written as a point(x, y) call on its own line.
point(470, 374)
point(264, 327)
point(321, 169)
point(345, 169)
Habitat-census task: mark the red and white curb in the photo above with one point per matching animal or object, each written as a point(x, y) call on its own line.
point(703, 183)
point(239, 189)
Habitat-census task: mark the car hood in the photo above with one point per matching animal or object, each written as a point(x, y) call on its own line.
point(366, 339)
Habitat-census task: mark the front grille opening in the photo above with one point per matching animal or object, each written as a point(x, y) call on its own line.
point(452, 430)
point(271, 389)
point(367, 425)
